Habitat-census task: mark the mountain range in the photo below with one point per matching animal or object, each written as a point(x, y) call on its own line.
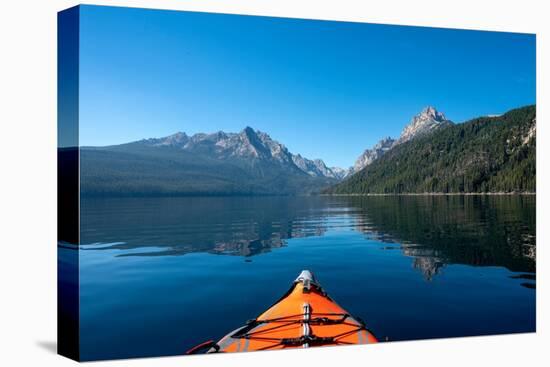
point(220, 163)
point(250, 162)
point(252, 145)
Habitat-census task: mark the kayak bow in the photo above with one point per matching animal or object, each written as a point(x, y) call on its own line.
point(304, 317)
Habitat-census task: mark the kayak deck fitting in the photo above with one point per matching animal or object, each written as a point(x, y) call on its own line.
point(304, 317)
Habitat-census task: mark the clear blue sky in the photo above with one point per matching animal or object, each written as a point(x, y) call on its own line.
point(324, 89)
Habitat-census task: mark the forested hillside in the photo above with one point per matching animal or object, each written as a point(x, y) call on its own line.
point(487, 154)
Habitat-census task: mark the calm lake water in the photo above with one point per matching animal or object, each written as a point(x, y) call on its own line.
point(160, 275)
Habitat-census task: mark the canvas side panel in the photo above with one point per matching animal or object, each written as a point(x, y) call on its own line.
point(68, 184)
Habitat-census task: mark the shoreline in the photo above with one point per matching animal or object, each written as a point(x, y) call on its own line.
point(439, 194)
point(309, 195)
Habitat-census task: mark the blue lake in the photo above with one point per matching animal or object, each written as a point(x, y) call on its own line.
point(160, 275)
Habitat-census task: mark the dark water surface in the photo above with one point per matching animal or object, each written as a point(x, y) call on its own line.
point(159, 275)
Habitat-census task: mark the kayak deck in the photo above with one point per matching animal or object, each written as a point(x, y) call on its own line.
point(304, 317)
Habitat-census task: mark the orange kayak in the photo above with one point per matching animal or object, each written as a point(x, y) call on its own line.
point(304, 317)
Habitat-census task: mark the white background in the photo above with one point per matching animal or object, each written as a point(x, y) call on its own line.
point(28, 182)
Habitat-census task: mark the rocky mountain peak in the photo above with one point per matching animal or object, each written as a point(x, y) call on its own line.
point(248, 131)
point(424, 122)
point(249, 134)
point(430, 112)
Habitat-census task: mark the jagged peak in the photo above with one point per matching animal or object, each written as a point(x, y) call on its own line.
point(427, 120)
point(430, 112)
point(248, 130)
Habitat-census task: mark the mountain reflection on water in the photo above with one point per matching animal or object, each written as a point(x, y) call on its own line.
point(433, 230)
